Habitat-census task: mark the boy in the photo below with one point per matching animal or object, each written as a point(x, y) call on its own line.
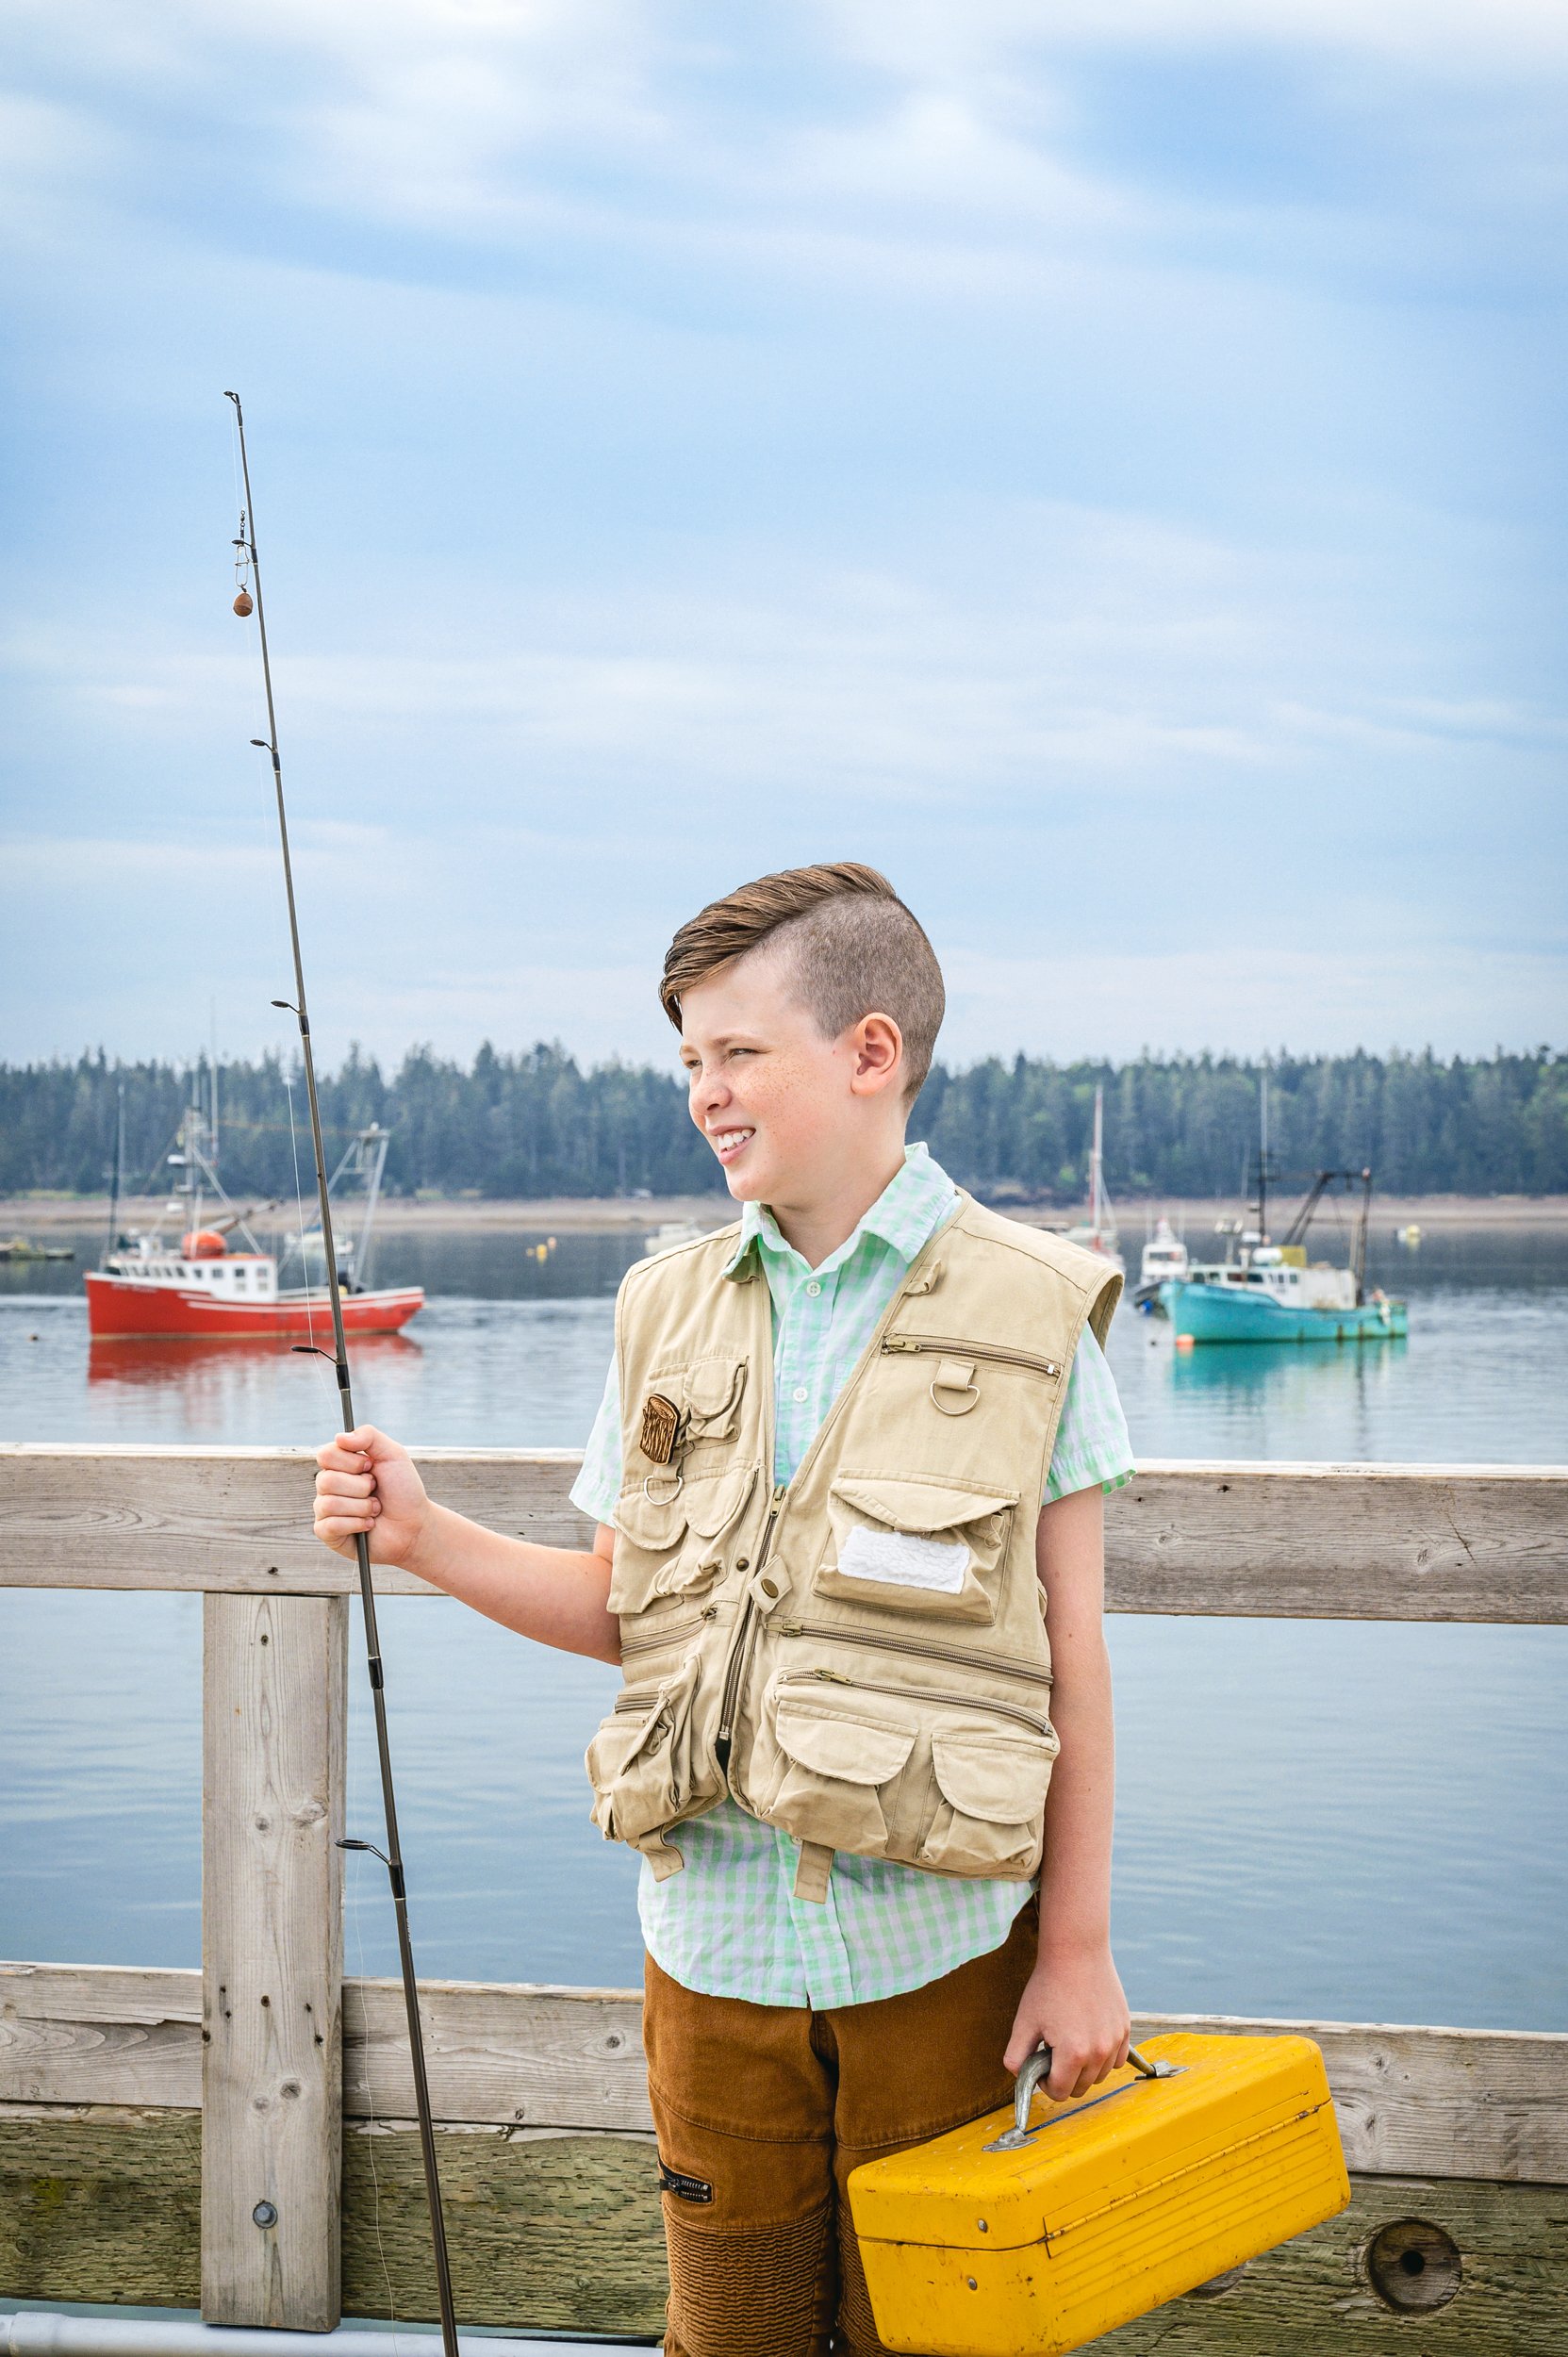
point(848, 1479)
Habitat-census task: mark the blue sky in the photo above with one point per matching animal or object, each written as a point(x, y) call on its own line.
point(1102, 462)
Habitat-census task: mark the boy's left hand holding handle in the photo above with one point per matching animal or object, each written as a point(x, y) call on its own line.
point(1075, 2006)
point(368, 1483)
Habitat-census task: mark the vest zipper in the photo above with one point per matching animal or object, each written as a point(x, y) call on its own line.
point(829, 1633)
point(725, 1736)
point(959, 1702)
point(670, 1628)
point(949, 1347)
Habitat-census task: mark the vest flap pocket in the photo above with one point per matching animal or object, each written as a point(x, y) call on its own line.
point(851, 1751)
point(656, 1522)
point(674, 1545)
point(989, 1818)
point(713, 1502)
point(919, 1507)
point(713, 1386)
point(1001, 1777)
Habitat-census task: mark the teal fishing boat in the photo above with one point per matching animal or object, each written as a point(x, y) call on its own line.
point(1265, 1297)
point(1264, 1291)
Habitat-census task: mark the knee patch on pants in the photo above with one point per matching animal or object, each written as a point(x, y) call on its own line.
point(753, 2291)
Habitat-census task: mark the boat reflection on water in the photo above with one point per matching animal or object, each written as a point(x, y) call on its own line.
point(1303, 1375)
point(214, 1379)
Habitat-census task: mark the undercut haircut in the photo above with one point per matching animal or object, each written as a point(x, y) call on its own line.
point(853, 950)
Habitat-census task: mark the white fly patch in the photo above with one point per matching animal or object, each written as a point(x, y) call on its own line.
point(900, 1559)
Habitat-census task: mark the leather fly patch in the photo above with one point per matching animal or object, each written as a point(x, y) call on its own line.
point(684, 2188)
point(661, 1428)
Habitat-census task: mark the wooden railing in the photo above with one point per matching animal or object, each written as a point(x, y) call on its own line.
point(146, 2116)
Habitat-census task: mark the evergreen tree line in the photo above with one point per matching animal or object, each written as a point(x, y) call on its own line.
point(537, 1124)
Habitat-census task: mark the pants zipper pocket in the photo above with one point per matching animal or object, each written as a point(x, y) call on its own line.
point(826, 1631)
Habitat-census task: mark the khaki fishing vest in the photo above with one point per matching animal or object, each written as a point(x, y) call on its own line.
point(859, 1656)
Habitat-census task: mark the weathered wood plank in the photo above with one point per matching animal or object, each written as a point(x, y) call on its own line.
point(274, 1713)
point(101, 2204)
point(1377, 1542)
point(100, 2033)
point(236, 1520)
point(1412, 2100)
point(1310, 1541)
point(1311, 2298)
point(560, 2232)
point(508, 2056)
point(557, 2232)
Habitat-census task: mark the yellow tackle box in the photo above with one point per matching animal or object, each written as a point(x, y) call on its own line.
point(1033, 2231)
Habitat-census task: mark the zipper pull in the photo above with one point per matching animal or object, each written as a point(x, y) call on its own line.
point(788, 1628)
point(779, 1492)
point(833, 1677)
point(899, 1341)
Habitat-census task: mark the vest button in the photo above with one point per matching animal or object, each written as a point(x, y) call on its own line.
point(768, 1587)
point(743, 1562)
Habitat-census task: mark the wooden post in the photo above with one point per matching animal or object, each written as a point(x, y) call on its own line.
point(275, 1712)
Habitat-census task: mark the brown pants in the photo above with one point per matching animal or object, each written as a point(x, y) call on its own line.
point(762, 2113)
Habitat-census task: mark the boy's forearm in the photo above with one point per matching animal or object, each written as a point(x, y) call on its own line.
point(1075, 1873)
point(552, 1594)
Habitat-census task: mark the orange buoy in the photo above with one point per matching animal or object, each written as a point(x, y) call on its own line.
point(243, 604)
point(203, 1243)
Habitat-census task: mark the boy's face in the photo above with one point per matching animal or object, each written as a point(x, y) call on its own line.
point(784, 1108)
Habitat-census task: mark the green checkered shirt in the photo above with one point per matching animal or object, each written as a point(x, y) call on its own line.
point(731, 1924)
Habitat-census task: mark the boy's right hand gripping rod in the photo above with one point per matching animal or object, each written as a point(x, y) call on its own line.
point(392, 1857)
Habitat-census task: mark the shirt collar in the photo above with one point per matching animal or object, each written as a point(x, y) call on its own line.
point(903, 1216)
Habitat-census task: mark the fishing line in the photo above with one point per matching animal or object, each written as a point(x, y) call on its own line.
point(299, 1206)
point(247, 601)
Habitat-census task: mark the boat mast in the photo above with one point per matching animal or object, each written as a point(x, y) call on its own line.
point(1262, 1161)
point(119, 1169)
point(1362, 1226)
point(392, 1855)
point(1096, 1156)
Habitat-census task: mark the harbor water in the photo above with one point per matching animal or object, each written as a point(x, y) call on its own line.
point(1347, 1821)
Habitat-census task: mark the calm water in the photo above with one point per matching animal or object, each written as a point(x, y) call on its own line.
point(1356, 1822)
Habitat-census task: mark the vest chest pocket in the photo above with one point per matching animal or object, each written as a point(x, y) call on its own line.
point(672, 1532)
point(990, 1803)
point(834, 1765)
point(909, 1544)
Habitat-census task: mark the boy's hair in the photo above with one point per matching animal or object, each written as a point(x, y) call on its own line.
point(855, 948)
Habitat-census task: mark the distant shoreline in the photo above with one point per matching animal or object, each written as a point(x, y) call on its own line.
point(596, 1214)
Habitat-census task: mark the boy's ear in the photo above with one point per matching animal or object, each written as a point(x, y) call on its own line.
point(877, 1048)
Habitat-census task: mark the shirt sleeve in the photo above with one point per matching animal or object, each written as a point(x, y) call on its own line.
point(598, 1486)
point(1092, 1440)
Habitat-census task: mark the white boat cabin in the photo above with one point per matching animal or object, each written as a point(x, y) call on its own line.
point(228, 1276)
point(1282, 1274)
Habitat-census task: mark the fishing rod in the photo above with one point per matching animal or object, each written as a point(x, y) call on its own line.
point(392, 1857)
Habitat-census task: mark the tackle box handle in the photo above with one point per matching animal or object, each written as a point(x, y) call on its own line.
point(1037, 2068)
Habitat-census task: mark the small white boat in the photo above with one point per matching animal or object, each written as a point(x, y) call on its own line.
point(1165, 1261)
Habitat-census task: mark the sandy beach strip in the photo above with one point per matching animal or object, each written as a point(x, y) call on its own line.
point(38, 1215)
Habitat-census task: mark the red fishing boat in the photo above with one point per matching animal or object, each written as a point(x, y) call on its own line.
point(217, 1283)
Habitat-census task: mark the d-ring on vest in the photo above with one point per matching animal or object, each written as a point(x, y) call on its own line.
point(860, 1657)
